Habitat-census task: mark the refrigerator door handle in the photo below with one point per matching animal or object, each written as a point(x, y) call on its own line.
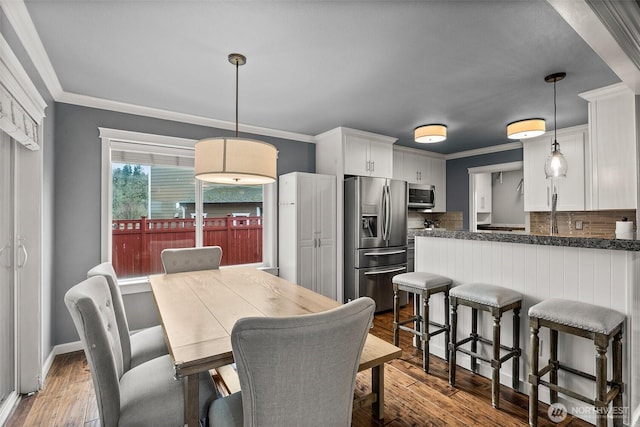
point(384, 213)
point(393, 270)
point(385, 253)
point(390, 208)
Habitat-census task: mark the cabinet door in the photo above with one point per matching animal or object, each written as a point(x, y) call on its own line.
point(398, 165)
point(613, 150)
point(381, 159)
point(537, 196)
point(483, 192)
point(325, 221)
point(356, 156)
point(438, 177)
point(571, 188)
point(305, 224)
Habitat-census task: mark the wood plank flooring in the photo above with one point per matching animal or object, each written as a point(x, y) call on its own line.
point(412, 397)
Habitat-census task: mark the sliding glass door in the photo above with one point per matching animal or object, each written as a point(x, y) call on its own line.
point(7, 273)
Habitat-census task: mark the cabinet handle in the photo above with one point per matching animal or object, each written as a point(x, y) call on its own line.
point(368, 165)
point(22, 248)
point(373, 166)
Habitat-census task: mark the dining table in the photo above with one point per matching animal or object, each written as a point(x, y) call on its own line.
point(199, 308)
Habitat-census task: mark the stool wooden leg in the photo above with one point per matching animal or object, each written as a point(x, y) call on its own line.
point(601, 381)
point(495, 363)
point(396, 315)
point(553, 361)
point(474, 341)
point(618, 417)
point(515, 362)
point(453, 342)
point(533, 374)
point(417, 325)
point(447, 325)
point(425, 332)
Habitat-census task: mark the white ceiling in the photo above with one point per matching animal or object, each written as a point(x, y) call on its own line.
point(378, 66)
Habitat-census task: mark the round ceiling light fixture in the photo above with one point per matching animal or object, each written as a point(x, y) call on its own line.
point(430, 133)
point(523, 129)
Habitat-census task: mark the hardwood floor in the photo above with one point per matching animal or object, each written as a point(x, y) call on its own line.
point(412, 397)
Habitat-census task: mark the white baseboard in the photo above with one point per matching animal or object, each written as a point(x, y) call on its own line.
point(56, 350)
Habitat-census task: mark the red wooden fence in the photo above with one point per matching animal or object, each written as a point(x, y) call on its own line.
point(137, 244)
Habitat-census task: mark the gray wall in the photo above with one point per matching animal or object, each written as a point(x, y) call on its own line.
point(77, 194)
point(458, 178)
point(48, 144)
point(507, 203)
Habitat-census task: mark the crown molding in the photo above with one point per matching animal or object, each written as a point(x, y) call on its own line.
point(485, 150)
point(157, 113)
point(19, 18)
point(419, 152)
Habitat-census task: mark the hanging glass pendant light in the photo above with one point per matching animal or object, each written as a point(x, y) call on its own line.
point(556, 164)
point(235, 160)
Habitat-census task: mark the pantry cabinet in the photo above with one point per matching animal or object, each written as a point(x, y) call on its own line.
point(307, 231)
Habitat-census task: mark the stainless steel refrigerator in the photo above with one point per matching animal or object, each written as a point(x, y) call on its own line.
point(375, 238)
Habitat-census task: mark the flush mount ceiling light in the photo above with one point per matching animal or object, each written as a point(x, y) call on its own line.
point(430, 133)
point(556, 164)
point(524, 129)
point(235, 160)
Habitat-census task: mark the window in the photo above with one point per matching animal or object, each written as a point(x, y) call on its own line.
point(151, 201)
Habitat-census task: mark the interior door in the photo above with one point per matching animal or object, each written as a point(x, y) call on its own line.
point(7, 274)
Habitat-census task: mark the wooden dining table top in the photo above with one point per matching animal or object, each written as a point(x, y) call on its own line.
point(199, 308)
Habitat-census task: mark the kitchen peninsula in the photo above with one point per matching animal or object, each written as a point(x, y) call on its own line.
point(599, 271)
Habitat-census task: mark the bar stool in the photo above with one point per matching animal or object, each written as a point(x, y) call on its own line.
point(596, 323)
point(496, 300)
point(421, 285)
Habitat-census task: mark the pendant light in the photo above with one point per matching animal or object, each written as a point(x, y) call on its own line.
point(523, 129)
point(236, 160)
point(430, 133)
point(556, 164)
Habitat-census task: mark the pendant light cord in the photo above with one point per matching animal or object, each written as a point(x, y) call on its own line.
point(238, 65)
point(555, 118)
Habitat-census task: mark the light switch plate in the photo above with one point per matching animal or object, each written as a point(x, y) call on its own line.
point(578, 225)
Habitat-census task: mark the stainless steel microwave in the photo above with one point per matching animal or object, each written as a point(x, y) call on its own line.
point(422, 196)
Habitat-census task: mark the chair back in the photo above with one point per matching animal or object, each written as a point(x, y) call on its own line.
point(91, 308)
point(106, 270)
point(177, 260)
point(301, 370)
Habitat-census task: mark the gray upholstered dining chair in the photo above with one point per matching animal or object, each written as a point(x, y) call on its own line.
point(141, 346)
point(146, 395)
point(177, 260)
point(296, 371)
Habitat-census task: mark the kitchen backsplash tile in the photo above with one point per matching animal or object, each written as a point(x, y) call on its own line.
point(594, 223)
point(447, 220)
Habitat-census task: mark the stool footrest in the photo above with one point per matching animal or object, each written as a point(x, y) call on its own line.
point(546, 369)
point(566, 391)
point(441, 329)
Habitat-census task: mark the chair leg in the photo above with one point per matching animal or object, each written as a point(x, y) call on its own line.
point(417, 325)
point(617, 380)
point(474, 341)
point(425, 333)
point(533, 374)
point(396, 316)
point(553, 361)
point(495, 363)
point(447, 325)
point(515, 362)
point(453, 342)
point(601, 382)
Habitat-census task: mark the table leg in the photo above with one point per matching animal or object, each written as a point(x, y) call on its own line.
point(191, 400)
point(377, 387)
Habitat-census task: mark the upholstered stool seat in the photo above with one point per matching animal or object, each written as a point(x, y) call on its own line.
point(496, 300)
point(422, 285)
point(599, 324)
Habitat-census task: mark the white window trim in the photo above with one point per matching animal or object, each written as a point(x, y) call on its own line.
point(119, 138)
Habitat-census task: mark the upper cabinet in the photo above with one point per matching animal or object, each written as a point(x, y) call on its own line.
point(343, 151)
point(612, 162)
point(417, 167)
point(538, 190)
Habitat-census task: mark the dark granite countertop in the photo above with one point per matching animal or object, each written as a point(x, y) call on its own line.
point(531, 239)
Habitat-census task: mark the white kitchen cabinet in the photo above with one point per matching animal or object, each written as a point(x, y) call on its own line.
point(612, 166)
point(422, 168)
point(307, 231)
point(538, 190)
point(367, 156)
point(483, 192)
